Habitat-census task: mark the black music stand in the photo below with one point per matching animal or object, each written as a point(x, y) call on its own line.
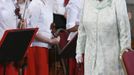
point(14, 45)
point(69, 49)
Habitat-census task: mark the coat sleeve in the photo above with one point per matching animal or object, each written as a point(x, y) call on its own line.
point(81, 41)
point(123, 24)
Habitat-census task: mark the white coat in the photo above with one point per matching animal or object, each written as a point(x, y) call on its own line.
point(103, 32)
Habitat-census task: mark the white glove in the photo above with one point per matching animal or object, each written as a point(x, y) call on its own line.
point(79, 58)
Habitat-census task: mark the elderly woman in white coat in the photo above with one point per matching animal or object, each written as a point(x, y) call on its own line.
point(103, 33)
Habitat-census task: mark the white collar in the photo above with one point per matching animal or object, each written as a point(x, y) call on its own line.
point(100, 5)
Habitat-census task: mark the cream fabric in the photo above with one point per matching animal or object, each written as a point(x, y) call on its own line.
point(102, 34)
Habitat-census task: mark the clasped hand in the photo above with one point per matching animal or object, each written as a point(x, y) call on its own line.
point(22, 24)
point(79, 58)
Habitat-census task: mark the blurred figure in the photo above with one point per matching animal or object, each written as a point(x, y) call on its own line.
point(8, 20)
point(73, 11)
point(131, 19)
point(130, 15)
point(40, 16)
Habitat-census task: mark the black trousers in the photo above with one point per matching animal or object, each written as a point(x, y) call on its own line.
point(60, 21)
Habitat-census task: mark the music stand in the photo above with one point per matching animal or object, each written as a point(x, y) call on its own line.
point(14, 45)
point(69, 49)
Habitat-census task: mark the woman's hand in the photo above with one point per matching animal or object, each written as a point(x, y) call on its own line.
point(73, 29)
point(22, 24)
point(79, 58)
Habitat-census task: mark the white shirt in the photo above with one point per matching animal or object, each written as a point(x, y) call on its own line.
point(73, 10)
point(41, 16)
point(8, 19)
point(59, 7)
